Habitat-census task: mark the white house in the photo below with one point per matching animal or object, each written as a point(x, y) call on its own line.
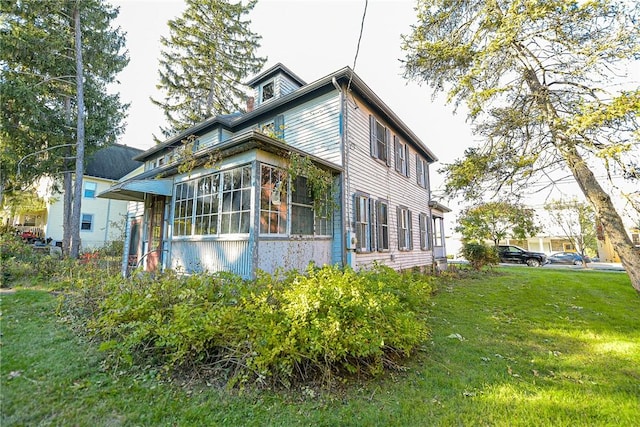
point(102, 220)
point(220, 195)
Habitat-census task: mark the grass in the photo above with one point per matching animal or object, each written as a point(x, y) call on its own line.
point(526, 347)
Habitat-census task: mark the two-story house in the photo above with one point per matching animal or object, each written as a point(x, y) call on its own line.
point(222, 196)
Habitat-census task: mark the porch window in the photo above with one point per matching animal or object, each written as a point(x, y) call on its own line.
point(215, 204)
point(405, 238)
point(425, 240)
point(273, 201)
point(382, 220)
point(183, 208)
point(236, 201)
point(301, 208)
point(86, 222)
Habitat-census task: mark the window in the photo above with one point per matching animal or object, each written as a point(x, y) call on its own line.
point(86, 222)
point(363, 223)
point(214, 204)
point(422, 172)
point(379, 140)
point(382, 220)
point(438, 224)
point(90, 189)
point(405, 238)
point(274, 128)
point(301, 207)
point(267, 91)
point(273, 201)
point(402, 156)
point(425, 240)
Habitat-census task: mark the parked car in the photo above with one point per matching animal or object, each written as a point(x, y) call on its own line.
point(517, 255)
point(567, 258)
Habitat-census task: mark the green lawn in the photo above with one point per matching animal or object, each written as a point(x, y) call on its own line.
point(526, 347)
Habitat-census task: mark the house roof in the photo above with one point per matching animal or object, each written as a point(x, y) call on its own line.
point(112, 162)
point(278, 68)
point(344, 75)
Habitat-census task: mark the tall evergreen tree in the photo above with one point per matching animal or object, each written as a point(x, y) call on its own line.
point(38, 88)
point(209, 52)
point(539, 78)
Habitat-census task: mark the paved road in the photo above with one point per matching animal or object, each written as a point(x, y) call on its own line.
point(609, 266)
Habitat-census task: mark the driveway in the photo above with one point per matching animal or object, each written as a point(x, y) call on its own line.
point(608, 266)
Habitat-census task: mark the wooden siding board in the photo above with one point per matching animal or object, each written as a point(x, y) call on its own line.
point(212, 255)
point(293, 254)
point(374, 177)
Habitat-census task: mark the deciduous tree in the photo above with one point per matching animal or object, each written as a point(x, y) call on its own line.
point(539, 79)
point(496, 221)
point(577, 222)
point(209, 51)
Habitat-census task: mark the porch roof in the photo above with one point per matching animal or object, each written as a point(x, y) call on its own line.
point(134, 190)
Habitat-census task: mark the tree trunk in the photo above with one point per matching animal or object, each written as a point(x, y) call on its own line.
point(67, 189)
point(77, 191)
point(597, 197)
point(605, 211)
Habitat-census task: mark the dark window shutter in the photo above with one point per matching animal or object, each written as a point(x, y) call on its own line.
point(410, 227)
point(372, 223)
point(356, 202)
point(388, 145)
point(396, 149)
point(407, 159)
point(278, 125)
point(372, 136)
point(418, 169)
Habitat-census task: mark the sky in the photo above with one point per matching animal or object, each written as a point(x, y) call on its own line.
point(313, 38)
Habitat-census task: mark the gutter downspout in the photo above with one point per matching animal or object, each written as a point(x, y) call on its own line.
point(346, 224)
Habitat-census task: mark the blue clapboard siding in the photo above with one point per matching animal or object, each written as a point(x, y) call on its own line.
point(368, 175)
point(314, 127)
point(212, 255)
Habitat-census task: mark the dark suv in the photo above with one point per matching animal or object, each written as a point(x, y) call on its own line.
point(517, 255)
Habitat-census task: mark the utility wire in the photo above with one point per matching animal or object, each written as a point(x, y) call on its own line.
point(355, 59)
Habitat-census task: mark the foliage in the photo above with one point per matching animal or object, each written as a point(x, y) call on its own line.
point(321, 183)
point(479, 254)
point(495, 221)
point(38, 93)
point(578, 223)
point(547, 88)
point(509, 348)
point(279, 329)
point(209, 52)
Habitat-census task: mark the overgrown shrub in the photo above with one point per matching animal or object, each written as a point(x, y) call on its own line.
point(279, 328)
point(479, 255)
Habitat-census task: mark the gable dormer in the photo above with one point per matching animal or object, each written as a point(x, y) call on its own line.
point(274, 83)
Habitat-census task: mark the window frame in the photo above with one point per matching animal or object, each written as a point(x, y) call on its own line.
point(383, 243)
point(271, 82)
point(401, 150)
point(90, 194)
point(405, 231)
point(83, 221)
point(425, 235)
point(438, 231)
point(422, 171)
point(363, 223)
point(383, 155)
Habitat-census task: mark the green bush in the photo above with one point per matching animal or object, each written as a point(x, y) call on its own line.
point(479, 254)
point(280, 329)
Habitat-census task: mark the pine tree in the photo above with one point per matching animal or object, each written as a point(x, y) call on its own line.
point(209, 52)
point(38, 89)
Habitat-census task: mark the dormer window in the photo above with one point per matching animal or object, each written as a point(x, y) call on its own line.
point(267, 91)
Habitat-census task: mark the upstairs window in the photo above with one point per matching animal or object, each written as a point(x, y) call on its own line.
point(402, 156)
point(267, 91)
point(90, 189)
point(422, 172)
point(379, 140)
